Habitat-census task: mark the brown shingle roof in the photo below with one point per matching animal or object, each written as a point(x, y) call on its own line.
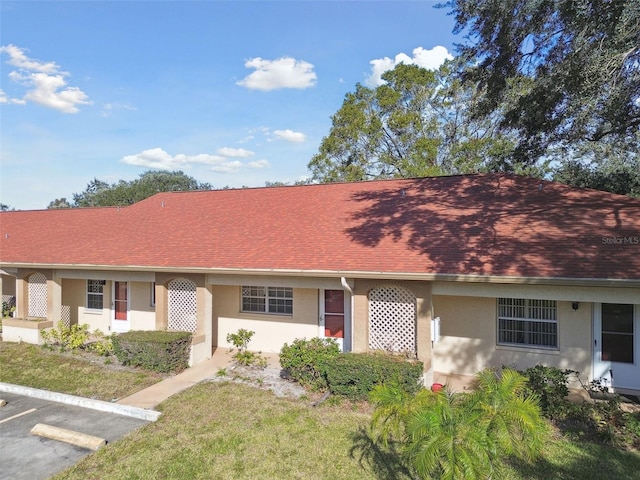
point(495, 225)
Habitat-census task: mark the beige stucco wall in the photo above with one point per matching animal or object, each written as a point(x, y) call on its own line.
point(468, 330)
point(271, 331)
point(74, 295)
point(142, 313)
point(8, 285)
point(424, 308)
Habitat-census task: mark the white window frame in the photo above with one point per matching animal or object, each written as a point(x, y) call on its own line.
point(95, 294)
point(271, 300)
point(530, 323)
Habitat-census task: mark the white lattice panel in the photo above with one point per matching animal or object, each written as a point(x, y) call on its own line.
point(37, 295)
point(392, 319)
point(66, 315)
point(182, 305)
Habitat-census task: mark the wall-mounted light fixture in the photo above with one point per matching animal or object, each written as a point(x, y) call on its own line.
point(575, 305)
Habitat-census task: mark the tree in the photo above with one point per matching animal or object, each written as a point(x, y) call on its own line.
point(59, 203)
point(569, 70)
point(5, 208)
point(462, 436)
point(415, 124)
point(100, 194)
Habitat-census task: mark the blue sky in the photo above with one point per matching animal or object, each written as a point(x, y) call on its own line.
point(232, 93)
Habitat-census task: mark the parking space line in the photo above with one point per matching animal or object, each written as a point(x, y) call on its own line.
point(18, 415)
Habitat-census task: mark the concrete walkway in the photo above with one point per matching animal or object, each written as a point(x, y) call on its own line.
point(155, 394)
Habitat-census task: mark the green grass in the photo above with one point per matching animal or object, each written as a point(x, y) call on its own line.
point(34, 366)
point(231, 431)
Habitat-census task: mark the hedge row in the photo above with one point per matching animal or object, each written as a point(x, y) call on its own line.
point(354, 375)
point(317, 363)
point(154, 350)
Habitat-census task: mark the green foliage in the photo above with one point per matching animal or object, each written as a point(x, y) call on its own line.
point(7, 309)
point(59, 203)
point(305, 360)
point(417, 123)
point(614, 174)
point(159, 351)
point(354, 375)
point(66, 338)
point(461, 436)
point(240, 340)
point(550, 384)
point(101, 344)
point(602, 420)
point(569, 71)
point(102, 194)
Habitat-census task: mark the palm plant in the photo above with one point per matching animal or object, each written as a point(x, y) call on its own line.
point(461, 436)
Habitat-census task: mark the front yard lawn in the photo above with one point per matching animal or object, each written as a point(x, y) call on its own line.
point(225, 430)
point(34, 366)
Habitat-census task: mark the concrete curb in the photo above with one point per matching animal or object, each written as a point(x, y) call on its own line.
point(78, 439)
point(126, 410)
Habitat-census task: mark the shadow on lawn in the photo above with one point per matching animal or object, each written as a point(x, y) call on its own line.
point(573, 461)
point(383, 461)
point(582, 460)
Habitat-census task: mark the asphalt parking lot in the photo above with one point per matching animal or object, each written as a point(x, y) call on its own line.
point(26, 456)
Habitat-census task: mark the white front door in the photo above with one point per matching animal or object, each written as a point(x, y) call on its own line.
point(120, 320)
point(333, 320)
point(616, 330)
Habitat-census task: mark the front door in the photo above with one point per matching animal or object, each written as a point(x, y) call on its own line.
point(332, 316)
point(120, 307)
point(617, 345)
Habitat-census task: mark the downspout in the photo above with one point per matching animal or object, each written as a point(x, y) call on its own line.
point(348, 288)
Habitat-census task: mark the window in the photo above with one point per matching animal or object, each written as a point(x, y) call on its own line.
point(267, 299)
point(533, 323)
point(95, 294)
point(153, 294)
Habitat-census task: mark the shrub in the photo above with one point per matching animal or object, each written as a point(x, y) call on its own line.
point(101, 344)
point(66, 338)
point(240, 340)
point(158, 351)
point(305, 360)
point(454, 436)
point(550, 384)
point(7, 309)
point(354, 375)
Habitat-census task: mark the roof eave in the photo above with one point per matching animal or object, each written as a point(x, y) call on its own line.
point(416, 276)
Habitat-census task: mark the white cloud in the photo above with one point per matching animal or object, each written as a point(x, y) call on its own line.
point(45, 82)
point(5, 99)
point(429, 59)
point(290, 136)
point(20, 60)
point(228, 166)
point(159, 159)
point(285, 72)
point(234, 152)
point(259, 164)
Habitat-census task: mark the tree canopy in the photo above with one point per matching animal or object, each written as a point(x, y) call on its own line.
point(102, 194)
point(568, 70)
point(417, 123)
